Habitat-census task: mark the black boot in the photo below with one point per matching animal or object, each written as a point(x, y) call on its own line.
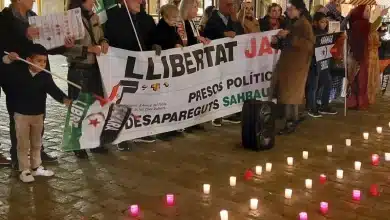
point(288, 128)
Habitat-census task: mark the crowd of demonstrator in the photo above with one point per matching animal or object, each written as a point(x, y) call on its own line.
point(295, 76)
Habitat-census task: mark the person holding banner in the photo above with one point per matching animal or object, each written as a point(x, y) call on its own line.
point(83, 67)
point(290, 74)
point(359, 36)
point(128, 29)
point(224, 23)
point(188, 12)
point(166, 35)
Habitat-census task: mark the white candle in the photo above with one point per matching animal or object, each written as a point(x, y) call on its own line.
point(206, 188)
point(365, 135)
point(233, 181)
point(387, 156)
point(268, 167)
point(253, 203)
point(308, 183)
point(358, 165)
point(258, 170)
point(329, 148)
point(348, 142)
point(288, 193)
point(290, 161)
point(224, 215)
point(379, 130)
point(339, 174)
point(305, 155)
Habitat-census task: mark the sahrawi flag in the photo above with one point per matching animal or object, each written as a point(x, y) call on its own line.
point(92, 121)
point(324, 48)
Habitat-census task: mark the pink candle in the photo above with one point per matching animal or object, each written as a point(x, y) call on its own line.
point(134, 210)
point(170, 199)
point(375, 159)
point(356, 195)
point(322, 178)
point(303, 216)
point(324, 207)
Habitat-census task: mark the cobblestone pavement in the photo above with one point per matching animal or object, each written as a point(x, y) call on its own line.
point(105, 185)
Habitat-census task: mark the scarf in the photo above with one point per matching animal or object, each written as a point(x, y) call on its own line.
point(360, 29)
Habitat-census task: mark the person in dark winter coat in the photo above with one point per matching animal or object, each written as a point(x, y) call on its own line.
point(120, 33)
point(273, 20)
point(224, 23)
point(165, 34)
point(20, 35)
point(316, 78)
point(119, 30)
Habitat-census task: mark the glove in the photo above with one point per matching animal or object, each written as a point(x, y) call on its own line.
point(157, 49)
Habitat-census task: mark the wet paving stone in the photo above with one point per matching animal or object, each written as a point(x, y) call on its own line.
point(104, 186)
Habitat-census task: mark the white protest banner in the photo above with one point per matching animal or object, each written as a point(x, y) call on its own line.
point(54, 28)
point(188, 86)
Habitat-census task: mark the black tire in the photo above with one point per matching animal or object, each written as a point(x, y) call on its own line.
point(258, 125)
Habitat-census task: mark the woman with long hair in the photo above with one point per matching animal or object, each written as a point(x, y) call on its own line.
point(274, 19)
point(247, 18)
point(289, 78)
point(359, 41)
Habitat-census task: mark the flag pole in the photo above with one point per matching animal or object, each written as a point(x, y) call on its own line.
point(346, 72)
point(132, 24)
point(47, 71)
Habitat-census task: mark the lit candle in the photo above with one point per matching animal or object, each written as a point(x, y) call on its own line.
point(303, 216)
point(375, 159)
point(365, 135)
point(387, 156)
point(233, 181)
point(356, 195)
point(258, 170)
point(308, 183)
point(339, 174)
point(374, 190)
point(206, 188)
point(253, 203)
point(224, 215)
point(348, 142)
point(134, 210)
point(379, 130)
point(290, 161)
point(358, 165)
point(329, 148)
point(268, 167)
point(288, 193)
point(322, 178)
point(324, 207)
point(305, 155)
point(170, 199)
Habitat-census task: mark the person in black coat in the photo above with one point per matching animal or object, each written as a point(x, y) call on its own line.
point(165, 34)
point(273, 20)
point(120, 33)
point(224, 23)
point(20, 35)
point(119, 30)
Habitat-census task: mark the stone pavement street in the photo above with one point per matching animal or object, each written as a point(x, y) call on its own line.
point(104, 186)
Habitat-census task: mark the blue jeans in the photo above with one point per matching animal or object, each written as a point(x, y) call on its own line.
point(315, 81)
